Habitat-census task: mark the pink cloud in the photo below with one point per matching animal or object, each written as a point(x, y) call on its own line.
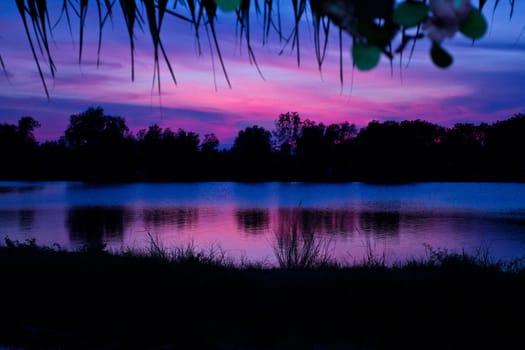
point(483, 84)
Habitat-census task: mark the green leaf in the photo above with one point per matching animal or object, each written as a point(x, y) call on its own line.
point(440, 56)
point(475, 25)
point(228, 5)
point(365, 56)
point(409, 14)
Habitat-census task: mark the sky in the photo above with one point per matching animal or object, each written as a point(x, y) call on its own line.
point(484, 84)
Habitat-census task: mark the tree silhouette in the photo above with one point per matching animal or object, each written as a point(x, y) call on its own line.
point(288, 127)
point(92, 128)
point(339, 144)
point(381, 150)
point(8, 135)
point(311, 148)
point(505, 142)
point(252, 142)
point(340, 133)
point(464, 148)
point(96, 147)
point(26, 126)
point(18, 148)
point(186, 143)
point(253, 147)
point(155, 150)
point(210, 144)
point(167, 154)
point(154, 136)
point(19, 135)
point(98, 143)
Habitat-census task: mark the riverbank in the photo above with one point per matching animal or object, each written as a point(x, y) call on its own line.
point(186, 299)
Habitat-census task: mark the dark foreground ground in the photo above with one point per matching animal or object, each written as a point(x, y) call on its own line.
point(53, 299)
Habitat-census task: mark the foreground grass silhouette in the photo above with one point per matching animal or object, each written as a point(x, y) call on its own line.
point(187, 299)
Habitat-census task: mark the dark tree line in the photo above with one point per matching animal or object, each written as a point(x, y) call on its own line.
point(98, 147)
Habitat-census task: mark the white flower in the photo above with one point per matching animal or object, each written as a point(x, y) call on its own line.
point(450, 11)
point(446, 18)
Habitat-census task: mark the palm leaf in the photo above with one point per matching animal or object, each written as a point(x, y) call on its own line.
point(82, 18)
point(129, 10)
point(102, 18)
point(243, 19)
point(348, 15)
point(319, 22)
point(210, 7)
point(3, 68)
point(22, 10)
point(153, 11)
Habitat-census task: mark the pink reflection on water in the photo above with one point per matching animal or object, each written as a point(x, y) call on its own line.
point(353, 221)
point(349, 236)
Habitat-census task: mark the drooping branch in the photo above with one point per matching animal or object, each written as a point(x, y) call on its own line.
point(372, 25)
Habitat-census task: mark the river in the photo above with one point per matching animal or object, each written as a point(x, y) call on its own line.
point(245, 220)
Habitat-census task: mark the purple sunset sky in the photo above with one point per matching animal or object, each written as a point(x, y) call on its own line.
point(484, 84)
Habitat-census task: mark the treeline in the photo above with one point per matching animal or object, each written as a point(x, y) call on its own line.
point(98, 147)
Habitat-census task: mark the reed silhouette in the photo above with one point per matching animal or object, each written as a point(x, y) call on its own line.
point(53, 298)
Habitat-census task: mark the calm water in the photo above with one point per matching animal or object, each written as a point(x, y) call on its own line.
point(246, 219)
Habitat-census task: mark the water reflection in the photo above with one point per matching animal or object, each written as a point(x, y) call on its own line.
point(320, 221)
point(299, 239)
point(380, 223)
point(23, 220)
point(8, 218)
point(96, 225)
point(26, 220)
point(342, 222)
point(179, 218)
point(253, 221)
point(19, 189)
point(245, 219)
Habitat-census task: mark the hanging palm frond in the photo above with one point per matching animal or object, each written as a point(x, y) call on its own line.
point(372, 26)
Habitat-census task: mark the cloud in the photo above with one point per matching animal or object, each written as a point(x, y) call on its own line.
point(54, 116)
point(484, 83)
